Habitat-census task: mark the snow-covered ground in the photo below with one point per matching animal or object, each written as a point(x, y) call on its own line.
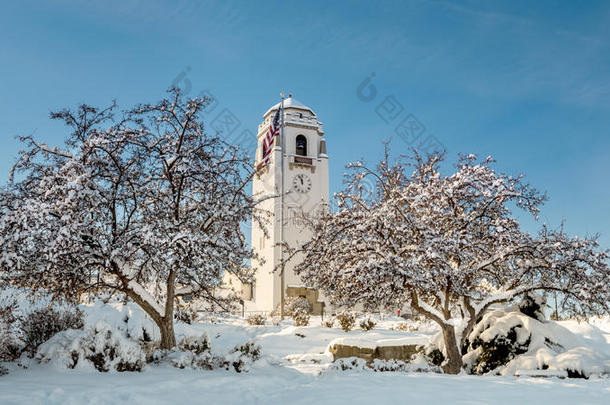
point(280, 385)
point(280, 377)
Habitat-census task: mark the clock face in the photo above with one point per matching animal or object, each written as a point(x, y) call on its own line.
point(301, 183)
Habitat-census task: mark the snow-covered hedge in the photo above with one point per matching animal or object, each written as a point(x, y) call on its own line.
point(417, 363)
point(101, 347)
point(196, 353)
point(349, 363)
point(192, 352)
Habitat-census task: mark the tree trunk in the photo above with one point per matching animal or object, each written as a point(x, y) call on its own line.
point(472, 319)
point(164, 323)
point(168, 338)
point(453, 364)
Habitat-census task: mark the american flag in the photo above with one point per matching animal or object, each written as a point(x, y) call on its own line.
point(273, 131)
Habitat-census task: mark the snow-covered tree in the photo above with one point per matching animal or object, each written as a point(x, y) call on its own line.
point(447, 245)
point(145, 204)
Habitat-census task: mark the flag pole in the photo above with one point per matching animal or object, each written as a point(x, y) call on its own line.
point(282, 140)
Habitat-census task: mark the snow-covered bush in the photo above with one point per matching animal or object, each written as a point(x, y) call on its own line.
point(329, 323)
point(403, 326)
point(532, 305)
point(8, 306)
point(506, 341)
point(185, 313)
point(347, 320)
point(349, 363)
point(301, 318)
point(433, 354)
point(299, 309)
point(417, 363)
point(185, 359)
point(389, 365)
point(298, 303)
point(367, 324)
point(499, 349)
point(256, 320)
point(128, 317)
point(242, 356)
point(498, 338)
point(41, 324)
point(192, 352)
point(100, 347)
point(415, 325)
point(195, 353)
point(9, 347)
point(276, 312)
point(196, 344)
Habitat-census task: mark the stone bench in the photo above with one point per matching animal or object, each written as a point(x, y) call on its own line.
point(402, 352)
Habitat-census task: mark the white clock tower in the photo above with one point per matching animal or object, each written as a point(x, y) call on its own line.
point(305, 185)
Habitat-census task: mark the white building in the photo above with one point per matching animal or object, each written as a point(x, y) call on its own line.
point(306, 190)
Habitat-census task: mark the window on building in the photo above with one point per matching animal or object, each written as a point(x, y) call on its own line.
point(301, 145)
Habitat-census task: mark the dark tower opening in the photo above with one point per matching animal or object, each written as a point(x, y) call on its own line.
point(301, 145)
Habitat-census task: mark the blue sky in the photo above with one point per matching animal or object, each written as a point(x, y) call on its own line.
point(525, 82)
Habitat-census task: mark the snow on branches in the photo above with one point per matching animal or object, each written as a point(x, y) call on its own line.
point(144, 203)
point(447, 244)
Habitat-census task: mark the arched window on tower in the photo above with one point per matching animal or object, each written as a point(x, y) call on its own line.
point(301, 145)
